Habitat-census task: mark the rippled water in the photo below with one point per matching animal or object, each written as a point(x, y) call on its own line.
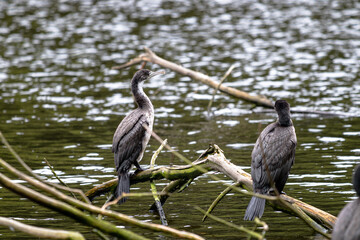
point(60, 100)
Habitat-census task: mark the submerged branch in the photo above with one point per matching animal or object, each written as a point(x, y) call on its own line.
point(94, 209)
point(153, 187)
point(232, 225)
point(176, 185)
point(40, 232)
point(67, 210)
point(30, 171)
point(219, 198)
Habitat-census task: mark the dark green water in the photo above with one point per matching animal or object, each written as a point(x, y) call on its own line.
point(60, 100)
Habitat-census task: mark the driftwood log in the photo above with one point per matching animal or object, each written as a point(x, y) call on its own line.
point(150, 56)
point(214, 159)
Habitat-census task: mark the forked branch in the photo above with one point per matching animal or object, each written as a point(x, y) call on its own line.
point(150, 56)
point(214, 159)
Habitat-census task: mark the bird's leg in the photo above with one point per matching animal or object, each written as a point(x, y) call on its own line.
point(272, 192)
point(138, 168)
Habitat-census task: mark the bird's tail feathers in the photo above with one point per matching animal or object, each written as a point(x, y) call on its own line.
point(255, 208)
point(122, 187)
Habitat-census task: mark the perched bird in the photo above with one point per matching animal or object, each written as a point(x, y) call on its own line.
point(130, 138)
point(347, 225)
point(272, 157)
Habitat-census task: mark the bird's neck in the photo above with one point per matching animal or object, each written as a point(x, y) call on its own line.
point(284, 119)
point(141, 99)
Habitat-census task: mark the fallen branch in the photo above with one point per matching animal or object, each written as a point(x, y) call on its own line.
point(67, 210)
point(57, 177)
point(220, 163)
point(214, 159)
point(150, 56)
point(94, 209)
point(40, 232)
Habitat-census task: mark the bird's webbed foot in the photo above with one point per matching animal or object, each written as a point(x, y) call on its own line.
point(273, 193)
point(138, 168)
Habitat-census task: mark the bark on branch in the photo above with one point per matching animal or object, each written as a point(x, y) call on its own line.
point(150, 56)
point(40, 232)
point(214, 159)
point(70, 206)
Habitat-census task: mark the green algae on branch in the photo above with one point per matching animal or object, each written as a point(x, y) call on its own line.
point(214, 159)
point(39, 231)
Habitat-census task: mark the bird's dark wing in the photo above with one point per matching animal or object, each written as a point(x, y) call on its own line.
point(128, 140)
point(275, 148)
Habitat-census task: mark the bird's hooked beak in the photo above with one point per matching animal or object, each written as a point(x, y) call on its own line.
point(153, 74)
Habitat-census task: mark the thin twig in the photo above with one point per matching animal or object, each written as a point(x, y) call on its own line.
point(261, 223)
point(100, 234)
point(218, 199)
point(143, 65)
point(168, 190)
point(29, 170)
point(240, 228)
point(153, 187)
point(57, 177)
point(217, 88)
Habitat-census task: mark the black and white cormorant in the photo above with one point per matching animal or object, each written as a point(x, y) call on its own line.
point(272, 157)
point(130, 138)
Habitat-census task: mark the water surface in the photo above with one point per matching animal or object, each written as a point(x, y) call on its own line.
point(60, 99)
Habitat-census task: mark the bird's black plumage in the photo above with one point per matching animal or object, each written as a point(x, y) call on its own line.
point(347, 225)
point(272, 157)
point(130, 138)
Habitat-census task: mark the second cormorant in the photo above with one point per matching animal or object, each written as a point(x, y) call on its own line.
point(347, 225)
point(272, 157)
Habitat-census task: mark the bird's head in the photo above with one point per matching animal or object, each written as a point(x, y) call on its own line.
point(281, 105)
point(282, 108)
point(144, 74)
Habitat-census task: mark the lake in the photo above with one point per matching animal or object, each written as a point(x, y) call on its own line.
point(61, 100)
